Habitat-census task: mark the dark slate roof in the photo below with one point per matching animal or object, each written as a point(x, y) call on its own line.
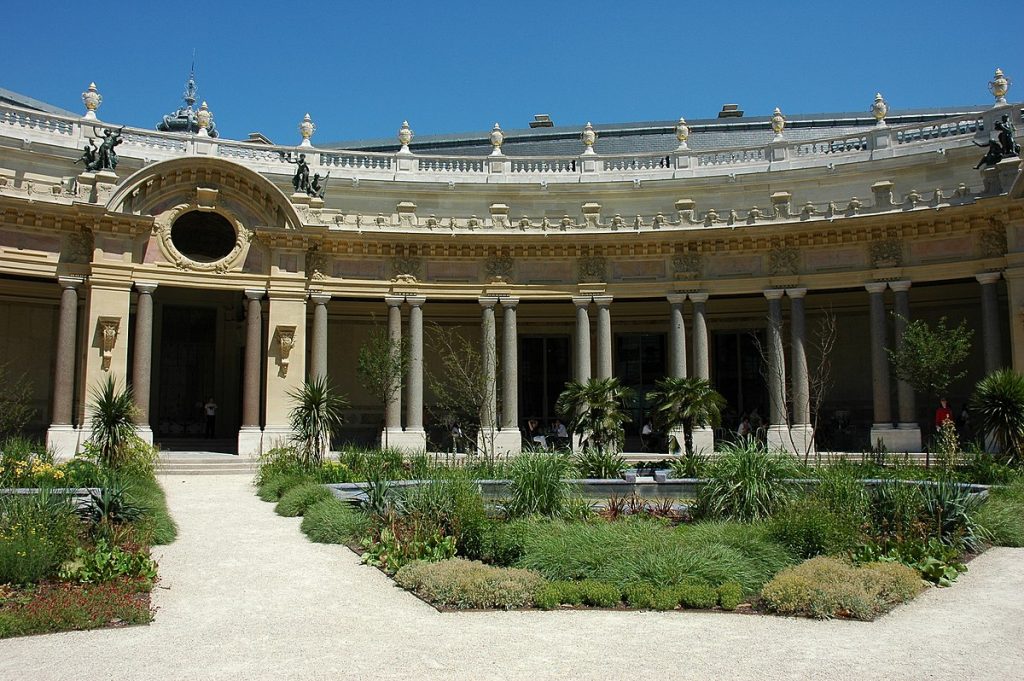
point(655, 136)
point(26, 102)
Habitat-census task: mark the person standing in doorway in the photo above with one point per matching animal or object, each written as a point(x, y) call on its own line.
point(211, 417)
point(943, 413)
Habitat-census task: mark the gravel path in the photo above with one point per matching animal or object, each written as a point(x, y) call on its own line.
point(244, 595)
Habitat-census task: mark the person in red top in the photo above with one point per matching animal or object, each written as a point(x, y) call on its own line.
point(943, 413)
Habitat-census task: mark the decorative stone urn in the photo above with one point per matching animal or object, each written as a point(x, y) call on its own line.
point(998, 87)
point(879, 109)
point(682, 133)
point(497, 137)
point(588, 137)
point(203, 118)
point(405, 136)
point(778, 124)
point(306, 129)
point(92, 100)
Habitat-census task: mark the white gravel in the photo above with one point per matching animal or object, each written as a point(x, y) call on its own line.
point(244, 595)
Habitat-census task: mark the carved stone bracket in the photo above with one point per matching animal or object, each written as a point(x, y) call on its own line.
point(109, 327)
point(285, 342)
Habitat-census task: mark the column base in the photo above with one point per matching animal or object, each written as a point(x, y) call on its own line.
point(904, 438)
point(275, 436)
point(144, 433)
point(250, 442)
point(778, 439)
point(408, 441)
point(801, 438)
point(703, 441)
point(503, 443)
point(64, 441)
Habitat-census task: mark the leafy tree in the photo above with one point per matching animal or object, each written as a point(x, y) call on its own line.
point(998, 403)
point(686, 403)
point(316, 414)
point(594, 411)
point(112, 412)
point(15, 407)
point(459, 387)
point(381, 364)
point(928, 359)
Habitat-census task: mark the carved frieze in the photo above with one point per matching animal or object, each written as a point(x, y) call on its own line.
point(993, 240)
point(887, 252)
point(687, 266)
point(783, 260)
point(406, 268)
point(316, 264)
point(499, 267)
point(78, 247)
point(590, 269)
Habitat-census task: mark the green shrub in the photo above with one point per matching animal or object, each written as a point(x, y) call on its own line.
point(105, 562)
point(453, 505)
point(569, 593)
point(80, 472)
point(825, 587)
point(547, 596)
point(997, 406)
point(598, 463)
point(697, 595)
point(747, 483)
point(666, 598)
point(459, 583)
point(1001, 518)
point(643, 550)
point(275, 486)
point(690, 465)
point(26, 463)
point(841, 488)
point(536, 485)
point(295, 501)
point(639, 596)
point(37, 533)
point(948, 511)
point(113, 442)
point(504, 542)
point(330, 521)
point(155, 524)
point(599, 594)
point(895, 512)
point(809, 527)
point(730, 595)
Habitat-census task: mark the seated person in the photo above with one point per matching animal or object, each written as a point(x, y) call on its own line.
point(533, 434)
point(559, 434)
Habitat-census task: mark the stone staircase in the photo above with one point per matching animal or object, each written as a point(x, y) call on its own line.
point(204, 463)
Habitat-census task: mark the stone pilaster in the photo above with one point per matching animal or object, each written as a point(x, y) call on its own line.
point(676, 336)
point(778, 430)
point(318, 360)
point(910, 431)
point(286, 361)
point(801, 434)
point(582, 350)
point(143, 357)
point(250, 437)
point(990, 321)
point(62, 436)
point(1015, 304)
point(604, 336)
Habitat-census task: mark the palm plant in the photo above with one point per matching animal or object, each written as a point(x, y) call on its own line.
point(998, 404)
point(686, 403)
point(317, 412)
point(594, 411)
point(112, 412)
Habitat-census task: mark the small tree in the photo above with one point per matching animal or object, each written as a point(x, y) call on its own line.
point(686, 403)
point(998, 404)
point(112, 412)
point(381, 364)
point(459, 387)
point(15, 408)
point(928, 359)
point(316, 414)
point(594, 411)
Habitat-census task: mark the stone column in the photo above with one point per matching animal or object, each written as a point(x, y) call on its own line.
point(250, 436)
point(582, 353)
point(676, 336)
point(62, 435)
point(778, 430)
point(990, 321)
point(604, 336)
point(510, 366)
point(143, 357)
point(393, 408)
point(701, 364)
point(488, 359)
point(801, 432)
point(882, 428)
point(909, 435)
point(318, 362)
point(414, 439)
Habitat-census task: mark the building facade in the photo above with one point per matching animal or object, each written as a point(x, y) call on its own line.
point(202, 268)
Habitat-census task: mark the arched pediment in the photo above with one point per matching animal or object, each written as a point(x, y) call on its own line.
point(209, 183)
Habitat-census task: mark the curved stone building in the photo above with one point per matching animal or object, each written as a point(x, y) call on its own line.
point(203, 268)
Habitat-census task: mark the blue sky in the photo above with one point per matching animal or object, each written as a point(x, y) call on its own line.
point(361, 68)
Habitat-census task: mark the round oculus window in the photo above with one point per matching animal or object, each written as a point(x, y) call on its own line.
point(203, 236)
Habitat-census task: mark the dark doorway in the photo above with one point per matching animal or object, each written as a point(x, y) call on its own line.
point(736, 372)
point(639, 362)
point(543, 372)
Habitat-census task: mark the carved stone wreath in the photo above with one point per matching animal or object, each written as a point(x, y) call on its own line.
point(993, 240)
point(591, 269)
point(406, 268)
point(164, 222)
point(499, 266)
point(783, 261)
point(686, 266)
point(887, 252)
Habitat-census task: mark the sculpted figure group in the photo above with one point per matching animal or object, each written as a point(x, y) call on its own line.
point(316, 187)
point(1002, 147)
point(103, 157)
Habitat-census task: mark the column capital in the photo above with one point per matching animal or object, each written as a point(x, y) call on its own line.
point(415, 301)
point(774, 293)
point(146, 287)
point(394, 301)
point(676, 298)
point(255, 293)
point(603, 301)
point(900, 286)
point(488, 301)
point(701, 297)
point(319, 297)
point(988, 277)
point(70, 282)
point(796, 292)
point(582, 301)
point(509, 301)
point(876, 286)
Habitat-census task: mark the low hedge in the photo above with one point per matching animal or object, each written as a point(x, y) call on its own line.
point(295, 501)
point(460, 583)
point(330, 521)
point(826, 587)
